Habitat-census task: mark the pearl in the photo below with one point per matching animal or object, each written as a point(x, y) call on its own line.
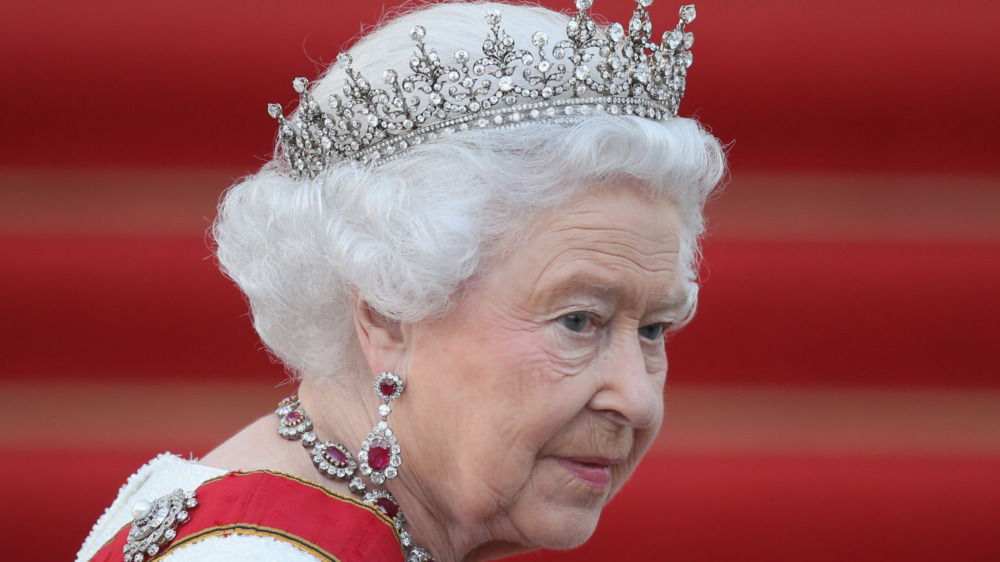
point(141, 509)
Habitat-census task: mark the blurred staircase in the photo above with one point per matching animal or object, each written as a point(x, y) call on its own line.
point(836, 398)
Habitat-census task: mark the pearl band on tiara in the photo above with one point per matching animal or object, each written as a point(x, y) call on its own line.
point(615, 73)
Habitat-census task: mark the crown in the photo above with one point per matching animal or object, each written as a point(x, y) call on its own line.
point(561, 79)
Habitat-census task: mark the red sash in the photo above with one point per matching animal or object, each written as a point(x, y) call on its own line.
point(309, 517)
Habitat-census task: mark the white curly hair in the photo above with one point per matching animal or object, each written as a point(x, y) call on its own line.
point(407, 235)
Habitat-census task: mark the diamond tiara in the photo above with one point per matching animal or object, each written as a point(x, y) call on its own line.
point(558, 80)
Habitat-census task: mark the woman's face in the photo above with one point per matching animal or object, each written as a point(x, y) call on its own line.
point(529, 406)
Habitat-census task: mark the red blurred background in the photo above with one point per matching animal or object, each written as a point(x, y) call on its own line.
point(836, 398)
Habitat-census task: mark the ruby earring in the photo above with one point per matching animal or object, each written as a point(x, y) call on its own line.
point(379, 457)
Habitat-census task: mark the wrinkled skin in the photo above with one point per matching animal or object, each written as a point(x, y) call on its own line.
point(529, 405)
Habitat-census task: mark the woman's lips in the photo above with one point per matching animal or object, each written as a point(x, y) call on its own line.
point(594, 471)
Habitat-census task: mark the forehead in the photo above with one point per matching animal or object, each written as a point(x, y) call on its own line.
point(613, 240)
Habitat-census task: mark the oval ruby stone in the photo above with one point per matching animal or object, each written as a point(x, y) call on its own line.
point(387, 388)
point(293, 417)
point(378, 455)
point(387, 506)
point(336, 455)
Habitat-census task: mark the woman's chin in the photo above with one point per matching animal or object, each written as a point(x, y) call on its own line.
point(562, 529)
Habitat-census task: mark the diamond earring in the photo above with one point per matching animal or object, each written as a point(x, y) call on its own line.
point(379, 457)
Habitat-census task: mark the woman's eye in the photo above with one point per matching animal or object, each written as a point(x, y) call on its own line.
point(652, 331)
point(575, 322)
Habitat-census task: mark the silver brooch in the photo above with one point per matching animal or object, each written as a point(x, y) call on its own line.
point(154, 524)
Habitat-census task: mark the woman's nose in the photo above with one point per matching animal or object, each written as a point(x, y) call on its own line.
point(628, 392)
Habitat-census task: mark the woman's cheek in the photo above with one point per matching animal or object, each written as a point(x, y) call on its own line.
point(655, 356)
point(569, 354)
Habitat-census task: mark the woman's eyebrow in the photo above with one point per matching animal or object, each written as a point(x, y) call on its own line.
point(583, 283)
point(597, 285)
point(675, 303)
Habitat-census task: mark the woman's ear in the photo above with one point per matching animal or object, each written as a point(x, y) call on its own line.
point(381, 337)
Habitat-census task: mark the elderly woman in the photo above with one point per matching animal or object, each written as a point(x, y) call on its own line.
point(478, 229)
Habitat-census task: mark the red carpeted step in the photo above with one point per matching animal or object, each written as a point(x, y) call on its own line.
point(679, 508)
point(702, 508)
point(54, 497)
point(108, 307)
point(772, 312)
point(851, 85)
point(844, 313)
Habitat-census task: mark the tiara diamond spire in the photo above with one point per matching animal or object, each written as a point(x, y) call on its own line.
point(553, 79)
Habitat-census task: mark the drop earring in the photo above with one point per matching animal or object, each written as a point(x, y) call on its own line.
point(379, 457)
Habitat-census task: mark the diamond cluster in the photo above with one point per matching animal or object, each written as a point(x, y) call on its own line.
point(155, 524)
point(620, 71)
